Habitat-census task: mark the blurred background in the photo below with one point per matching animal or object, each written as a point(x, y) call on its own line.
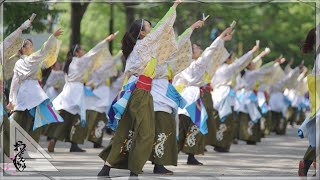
point(280, 26)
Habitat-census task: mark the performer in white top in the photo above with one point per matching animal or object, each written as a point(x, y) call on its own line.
point(26, 93)
point(144, 49)
point(192, 124)
point(223, 97)
point(308, 128)
point(278, 102)
point(166, 101)
point(55, 81)
point(98, 100)
point(71, 101)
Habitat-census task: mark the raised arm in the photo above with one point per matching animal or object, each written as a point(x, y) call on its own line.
point(288, 68)
point(241, 63)
point(163, 26)
point(216, 54)
point(160, 43)
point(183, 58)
point(97, 56)
point(288, 81)
point(12, 43)
point(48, 54)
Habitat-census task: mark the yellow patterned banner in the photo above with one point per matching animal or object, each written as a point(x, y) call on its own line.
point(314, 93)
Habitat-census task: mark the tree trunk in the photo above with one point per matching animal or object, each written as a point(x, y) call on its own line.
point(77, 12)
point(129, 14)
point(111, 26)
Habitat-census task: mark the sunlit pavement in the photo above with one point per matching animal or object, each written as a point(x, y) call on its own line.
point(276, 157)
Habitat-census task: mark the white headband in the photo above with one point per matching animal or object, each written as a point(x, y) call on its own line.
point(142, 22)
point(75, 48)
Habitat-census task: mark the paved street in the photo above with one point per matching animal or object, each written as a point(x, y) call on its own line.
point(276, 156)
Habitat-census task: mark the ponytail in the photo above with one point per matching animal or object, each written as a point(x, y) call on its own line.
point(309, 43)
point(242, 73)
point(70, 56)
point(130, 38)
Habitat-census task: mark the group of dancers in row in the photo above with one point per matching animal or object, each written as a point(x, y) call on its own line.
point(172, 96)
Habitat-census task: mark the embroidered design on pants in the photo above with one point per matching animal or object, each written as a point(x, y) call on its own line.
point(159, 146)
point(250, 126)
point(222, 129)
point(282, 123)
point(127, 143)
point(99, 129)
point(73, 129)
point(263, 123)
point(191, 136)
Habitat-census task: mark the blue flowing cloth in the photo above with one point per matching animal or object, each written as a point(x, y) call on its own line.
point(287, 101)
point(227, 104)
point(119, 104)
point(88, 91)
point(198, 115)
point(43, 114)
point(175, 96)
point(2, 113)
point(264, 108)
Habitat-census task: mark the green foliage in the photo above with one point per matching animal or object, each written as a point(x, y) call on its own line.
point(16, 13)
point(280, 26)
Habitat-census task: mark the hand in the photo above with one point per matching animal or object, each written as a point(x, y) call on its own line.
point(300, 134)
point(25, 25)
point(176, 3)
point(304, 70)
point(280, 60)
point(301, 64)
point(10, 106)
point(58, 32)
point(226, 31)
point(197, 24)
point(255, 48)
point(110, 38)
point(227, 37)
point(263, 54)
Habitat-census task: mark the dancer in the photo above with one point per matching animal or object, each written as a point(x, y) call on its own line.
point(224, 98)
point(27, 99)
point(143, 49)
point(98, 98)
point(166, 103)
point(308, 128)
point(193, 126)
point(11, 46)
point(278, 102)
point(71, 101)
point(55, 82)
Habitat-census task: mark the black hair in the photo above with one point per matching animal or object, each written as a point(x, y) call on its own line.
point(70, 55)
point(130, 38)
point(242, 73)
point(229, 57)
point(309, 43)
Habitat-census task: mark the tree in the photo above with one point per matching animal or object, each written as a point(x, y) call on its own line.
point(77, 12)
point(16, 13)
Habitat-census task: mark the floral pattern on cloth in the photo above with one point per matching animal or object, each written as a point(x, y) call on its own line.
point(159, 44)
point(183, 57)
point(159, 145)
